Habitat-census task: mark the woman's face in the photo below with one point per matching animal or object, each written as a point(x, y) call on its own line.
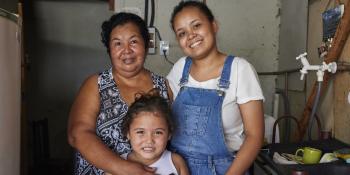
point(127, 49)
point(148, 135)
point(195, 33)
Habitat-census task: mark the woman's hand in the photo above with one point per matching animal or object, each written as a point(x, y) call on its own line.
point(132, 168)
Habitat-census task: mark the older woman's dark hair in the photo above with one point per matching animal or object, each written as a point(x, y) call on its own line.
point(148, 102)
point(121, 19)
point(199, 5)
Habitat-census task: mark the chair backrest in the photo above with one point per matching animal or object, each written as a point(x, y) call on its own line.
point(40, 140)
point(299, 136)
point(283, 118)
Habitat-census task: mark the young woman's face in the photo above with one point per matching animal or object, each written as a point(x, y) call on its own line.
point(195, 33)
point(148, 135)
point(127, 49)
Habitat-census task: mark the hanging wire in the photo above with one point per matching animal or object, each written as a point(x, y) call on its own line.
point(157, 31)
point(166, 58)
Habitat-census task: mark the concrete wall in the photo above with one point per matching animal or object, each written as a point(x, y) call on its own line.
point(10, 97)
point(293, 39)
point(64, 48)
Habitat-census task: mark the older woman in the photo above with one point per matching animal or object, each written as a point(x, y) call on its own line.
point(94, 127)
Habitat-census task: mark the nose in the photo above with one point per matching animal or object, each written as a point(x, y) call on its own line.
point(192, 34)
point(127, 49)
point(149, 138)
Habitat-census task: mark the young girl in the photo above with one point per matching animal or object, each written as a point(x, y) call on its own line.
point(148, 127)
point(217, 98)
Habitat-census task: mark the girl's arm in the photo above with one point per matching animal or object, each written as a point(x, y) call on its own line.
point(253, 121)
point(180, 164)
point(82, 133)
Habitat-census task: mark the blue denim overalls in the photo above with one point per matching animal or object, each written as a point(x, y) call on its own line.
point(199, 136)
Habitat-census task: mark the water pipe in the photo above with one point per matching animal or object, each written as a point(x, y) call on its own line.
point(331, 67)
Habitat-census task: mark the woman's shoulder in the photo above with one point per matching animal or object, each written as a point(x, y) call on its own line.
point(242, 64)
point(177, 68)
point(91, 79)
point(240, 60)
point(180, 63)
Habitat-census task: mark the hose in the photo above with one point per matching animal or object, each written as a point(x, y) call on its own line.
point(312, 119)
point(286, 113)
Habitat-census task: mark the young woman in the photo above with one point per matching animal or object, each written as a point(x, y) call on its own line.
point(217, 98)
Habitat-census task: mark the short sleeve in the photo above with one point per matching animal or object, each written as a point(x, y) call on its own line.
point(174, 76)
point(248, 85)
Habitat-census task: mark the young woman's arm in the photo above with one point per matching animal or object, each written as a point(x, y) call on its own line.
point(180, 164)
point(82, 133)
point(253, 121)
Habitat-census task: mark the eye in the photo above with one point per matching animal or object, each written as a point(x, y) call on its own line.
point(140, 132)
point(181, 34)
point(134, 41)
point(159, 133)
point(117, 43)
point(197, 25)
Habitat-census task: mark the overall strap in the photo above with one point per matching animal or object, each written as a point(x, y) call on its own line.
point(224, 82)
point(186, 72)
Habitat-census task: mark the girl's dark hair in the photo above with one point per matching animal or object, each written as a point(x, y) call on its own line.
point(148, 102)
point(121, 19)
point(199, 5)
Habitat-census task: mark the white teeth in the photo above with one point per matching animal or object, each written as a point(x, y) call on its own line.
point(128, 60)
point(195, 44)
point(148, 149)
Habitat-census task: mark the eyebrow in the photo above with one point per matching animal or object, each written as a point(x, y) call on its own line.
point(137, 129)
point(116, 38)
point(195, 20)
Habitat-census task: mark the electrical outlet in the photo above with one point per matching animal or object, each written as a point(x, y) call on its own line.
point(164, 46)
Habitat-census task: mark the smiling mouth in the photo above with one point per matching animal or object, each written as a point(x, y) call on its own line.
point(148, 149)
point(129, 60)
point(195, 44)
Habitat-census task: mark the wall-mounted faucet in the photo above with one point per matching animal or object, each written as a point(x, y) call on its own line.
point(331, 67)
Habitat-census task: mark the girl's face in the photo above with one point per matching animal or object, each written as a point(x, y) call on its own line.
point(127, 49)
point(148, 135)
point(195, 33)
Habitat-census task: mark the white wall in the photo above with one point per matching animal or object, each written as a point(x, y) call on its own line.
point(10, 102)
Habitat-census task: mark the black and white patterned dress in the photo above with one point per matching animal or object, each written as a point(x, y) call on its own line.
point(112, 112)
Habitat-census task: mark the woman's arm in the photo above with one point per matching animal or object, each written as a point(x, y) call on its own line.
point(253, 121)
point(180, 164)
point(82, 133)
point(170, 92)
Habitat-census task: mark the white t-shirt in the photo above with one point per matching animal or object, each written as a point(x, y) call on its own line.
point(244, 87)
point(164, 166)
